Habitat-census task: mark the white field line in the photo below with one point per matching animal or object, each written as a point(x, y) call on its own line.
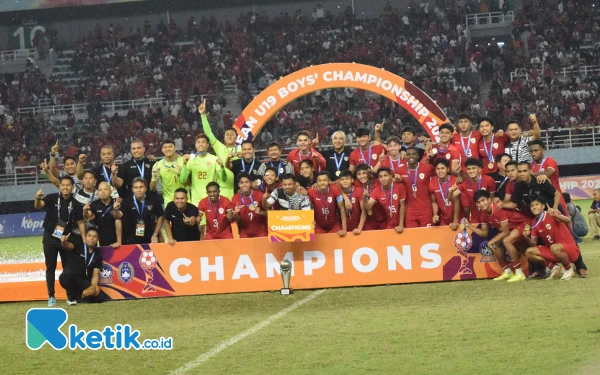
point(235, 339)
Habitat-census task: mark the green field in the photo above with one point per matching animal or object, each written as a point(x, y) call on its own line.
point(475, 327)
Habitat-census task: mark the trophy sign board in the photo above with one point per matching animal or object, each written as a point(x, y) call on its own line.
point(291, 226)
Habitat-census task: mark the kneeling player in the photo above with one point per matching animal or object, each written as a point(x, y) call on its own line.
point(391, 197)
point(328, 203)
point(248, 212)
point(510, 224)
point(559, 248)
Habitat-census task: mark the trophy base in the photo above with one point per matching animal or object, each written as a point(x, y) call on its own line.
point(286, 291)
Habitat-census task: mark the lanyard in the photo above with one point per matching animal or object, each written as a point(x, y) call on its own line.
point(367, 160)
point(141, 213)
point(441, 151)
point(502, 183)
point(542, 217)
point(541, 164)
point(490, 153)
point(92, 196)
point(278, 168)
point(414, 182)
point(300, 155)
point(478, 184)
point(392, 162)
point(87, 264)
point(349, 212)
point(70, 208)
point(338, 163)
point(390, 201)
point(251, 165)
point(444, 196)
point(141, 170)
point(244, 201)
point(466, 148)
point(107, 209)
point(108, 179)
point(215, 213)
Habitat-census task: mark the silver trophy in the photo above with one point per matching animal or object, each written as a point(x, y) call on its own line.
point(286, 273)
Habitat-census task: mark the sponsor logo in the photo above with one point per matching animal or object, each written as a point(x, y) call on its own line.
point(106, 274)
point(30, 224)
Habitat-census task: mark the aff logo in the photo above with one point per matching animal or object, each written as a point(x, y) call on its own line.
point(43, 325)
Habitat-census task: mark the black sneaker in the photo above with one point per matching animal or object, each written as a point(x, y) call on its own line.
point(597, 238)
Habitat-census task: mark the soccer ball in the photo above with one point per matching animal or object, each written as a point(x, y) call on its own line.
point(463, 241)
point(147, 260)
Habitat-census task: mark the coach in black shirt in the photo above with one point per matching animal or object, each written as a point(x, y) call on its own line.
point(81, 273)
point(338, 158)
point(528, 187)
point(142, 215)
point(181, 219)
point(101, 214)
point(247, 163)
point(139, 166)
point(62, 213)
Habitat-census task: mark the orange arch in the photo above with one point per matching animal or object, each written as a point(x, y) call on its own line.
point(319, 77)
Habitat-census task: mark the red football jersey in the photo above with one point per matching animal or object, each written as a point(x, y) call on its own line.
point(496, 146)
point(418, 179)
point(369, 157)
point(467, 191)
point(353, 215)
point(296, 158)
point(251, 224)
point(394, 165)
point(498, 216)
point(545, 164)
point(390, 201)
point(449, 153)
point(467, 146)
point(377, 213)
point(217, 224)
point(550, 231)
point(440, 191)
point(326, 207)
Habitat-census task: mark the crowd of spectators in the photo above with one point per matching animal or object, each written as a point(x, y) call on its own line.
point(426, 43)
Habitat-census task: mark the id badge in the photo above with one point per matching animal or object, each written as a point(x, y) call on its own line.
point(114, 194)
point(140, 229)
point(59, 230)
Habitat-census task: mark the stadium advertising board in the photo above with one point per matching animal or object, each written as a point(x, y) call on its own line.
point(252, 265)
point(21, 225)
point(12, 5)
point(326, 76)
point(291, 226)
point(580, 187)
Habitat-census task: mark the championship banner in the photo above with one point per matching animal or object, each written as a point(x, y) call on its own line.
point(253, 265)
point(580, 187)
point(291, 226)
point(338, 75)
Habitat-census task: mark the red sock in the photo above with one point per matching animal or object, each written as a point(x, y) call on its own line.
point(515, 264)
point(549, 264)
point(568, 266)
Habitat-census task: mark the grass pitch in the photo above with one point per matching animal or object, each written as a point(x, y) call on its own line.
point(474, 327)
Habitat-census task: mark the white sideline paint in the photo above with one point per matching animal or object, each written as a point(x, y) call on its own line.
point(227, 343)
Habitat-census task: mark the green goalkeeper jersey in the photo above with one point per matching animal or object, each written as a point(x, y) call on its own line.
point(222, 151)
point(201, 171)
point(169, 172)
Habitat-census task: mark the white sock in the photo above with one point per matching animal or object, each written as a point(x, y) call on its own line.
point(508, 271)
point(519, 272)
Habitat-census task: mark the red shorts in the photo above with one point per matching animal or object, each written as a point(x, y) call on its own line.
point(520, 228)
point(336, 228)
point(417, 221)
point(546, 253)
point(571, 251)
point(374, 225)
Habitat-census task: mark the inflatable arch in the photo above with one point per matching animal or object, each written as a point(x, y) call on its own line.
point(337, 75)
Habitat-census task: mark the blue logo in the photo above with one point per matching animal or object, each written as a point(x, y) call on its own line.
point(43, 325)
point(126, 273)
point(106, 274)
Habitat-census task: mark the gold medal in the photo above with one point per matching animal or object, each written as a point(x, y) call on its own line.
point(490, 165)
point(337, 173)
point(527, 227)
point(252, 207)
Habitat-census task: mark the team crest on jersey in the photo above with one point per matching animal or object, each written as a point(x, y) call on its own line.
point(473, 140)
point(374, 157)
point(329, 199)
point(395, 196)
point(150, 207)
point(346, 158)
point(353, 200)
point(421, 175)
point(221, 210)
point(208, 163)
point(448, 156)
point(495, 145)
point(280, 170)
point(548, 226)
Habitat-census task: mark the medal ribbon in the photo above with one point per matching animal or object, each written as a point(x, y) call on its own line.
point(141, 213)
point(367, 161)
point(542, 217)
point(466, 148)
point(251, 165)
point(338, 164)
point(490, 153)
point(414, 182)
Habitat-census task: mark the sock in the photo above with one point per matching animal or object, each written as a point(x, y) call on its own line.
point(515, 264)
point(519, 271)
point(568, 267)
point(507, 270)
